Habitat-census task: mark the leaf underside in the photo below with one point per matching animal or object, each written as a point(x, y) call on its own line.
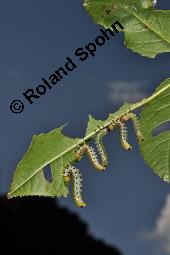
point(147, 31)
point(155, 149)
point(50, 148)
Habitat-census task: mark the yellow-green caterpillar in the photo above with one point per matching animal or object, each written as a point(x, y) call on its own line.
point(91, 154)
point(100, 146)
point(73, 173)
point(124, 136)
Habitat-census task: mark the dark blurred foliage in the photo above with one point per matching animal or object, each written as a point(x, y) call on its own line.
point(40, 225)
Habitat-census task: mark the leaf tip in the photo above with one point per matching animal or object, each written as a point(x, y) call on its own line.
point(90, 117)
point(64, 125)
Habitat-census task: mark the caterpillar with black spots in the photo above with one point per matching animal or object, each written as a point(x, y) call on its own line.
point(73, 173)
point(136, 124)
point(123, 133)
point(90, 151)
point(100, 147)
point(124, 136)
point(94, 158)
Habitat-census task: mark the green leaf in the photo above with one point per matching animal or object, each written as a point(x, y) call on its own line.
point(93, 124)
point(156, 149)
point(124, 109)
point(59, 151)
point(147, 31)
point(53, 148)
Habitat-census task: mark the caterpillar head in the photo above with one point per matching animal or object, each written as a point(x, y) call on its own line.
point(79, 152)
point(109, 128)
point(66, 175)
point(67, 178)
point(80, 203)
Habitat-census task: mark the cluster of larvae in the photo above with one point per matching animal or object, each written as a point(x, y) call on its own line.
point(72, 173)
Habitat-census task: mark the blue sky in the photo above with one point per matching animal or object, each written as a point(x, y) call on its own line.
point(125, 202)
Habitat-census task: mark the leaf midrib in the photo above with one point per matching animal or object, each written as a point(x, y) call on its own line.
point(148, 25)
point(60, 155)
point(144, 22)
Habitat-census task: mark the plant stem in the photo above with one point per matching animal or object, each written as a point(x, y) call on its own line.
point(132, 107)
point(147, 100)
point(117, 117)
